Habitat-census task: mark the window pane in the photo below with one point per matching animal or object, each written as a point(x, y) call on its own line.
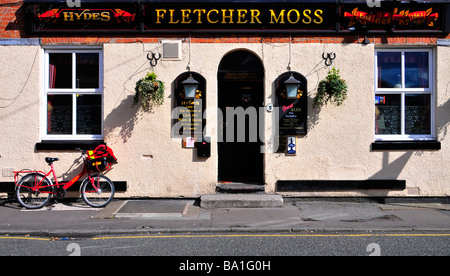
point(59, 114)
point(417, 114)
point(88, 70)
point(89, 114)
point(60, 70)
point(389, 70)
point(416, 70)
point(387, 114)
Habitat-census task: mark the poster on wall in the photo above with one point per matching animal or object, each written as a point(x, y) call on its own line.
point(293, 109)
point(189, 109)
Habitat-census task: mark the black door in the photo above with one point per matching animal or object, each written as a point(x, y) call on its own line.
point(241, 94)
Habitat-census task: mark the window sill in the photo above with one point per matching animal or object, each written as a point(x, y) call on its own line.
point(67, 145)
point(406, 145)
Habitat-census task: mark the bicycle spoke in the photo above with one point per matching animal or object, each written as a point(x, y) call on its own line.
point(99, 192)
point(33, 191)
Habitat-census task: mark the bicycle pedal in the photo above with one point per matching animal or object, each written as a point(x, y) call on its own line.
point(60, 193)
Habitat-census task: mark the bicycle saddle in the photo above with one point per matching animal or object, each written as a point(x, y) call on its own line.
point(50, 160)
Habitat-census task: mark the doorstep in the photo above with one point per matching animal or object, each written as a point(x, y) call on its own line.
point(221, 201)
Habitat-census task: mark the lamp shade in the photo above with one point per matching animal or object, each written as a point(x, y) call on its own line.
point(190, 87)
point(292, 85)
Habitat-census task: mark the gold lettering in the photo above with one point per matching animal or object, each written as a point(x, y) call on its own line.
point(318, 14)
point(87, 16)
point(289, 16)
point(230, 16)
point(255, 16)
point(307, 13)
point(208, 16)
point(105, 16)
point(274, 19)
point(185, 16)
point(171, 17)
point(160, 15)
point(68, 16)
point(78, 16)
point(199, 12)
point(241, 16)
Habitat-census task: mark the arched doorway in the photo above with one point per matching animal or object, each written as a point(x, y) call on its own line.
point(240, 96)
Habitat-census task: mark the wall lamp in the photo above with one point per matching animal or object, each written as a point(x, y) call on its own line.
point(292, 86)
point(190, 87)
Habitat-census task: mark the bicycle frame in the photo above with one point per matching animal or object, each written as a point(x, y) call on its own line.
point(66, 186)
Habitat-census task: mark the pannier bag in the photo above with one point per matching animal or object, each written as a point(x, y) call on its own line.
point(100, 159)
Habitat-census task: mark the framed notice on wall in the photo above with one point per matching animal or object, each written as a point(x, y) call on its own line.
point(291, 145)
point(292, 109)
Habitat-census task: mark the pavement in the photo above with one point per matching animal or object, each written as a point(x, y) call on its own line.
point(150, 216)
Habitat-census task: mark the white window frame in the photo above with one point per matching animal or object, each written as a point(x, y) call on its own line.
point(403, 91)
point(69, 91)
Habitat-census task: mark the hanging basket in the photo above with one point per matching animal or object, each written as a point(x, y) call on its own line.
point(149, 91)
point(332, 89)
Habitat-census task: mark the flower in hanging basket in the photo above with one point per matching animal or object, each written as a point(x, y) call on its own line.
point(283, 94)
point(333, 89)
point(149, 91)
point(198, 94)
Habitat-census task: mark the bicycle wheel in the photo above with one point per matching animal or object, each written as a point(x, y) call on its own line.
point(31, 198)
point(99, 192)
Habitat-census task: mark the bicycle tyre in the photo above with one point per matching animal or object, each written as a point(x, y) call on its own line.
point(101, 195)
point(34, 200)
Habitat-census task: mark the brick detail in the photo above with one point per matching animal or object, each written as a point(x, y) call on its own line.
point(11, 19)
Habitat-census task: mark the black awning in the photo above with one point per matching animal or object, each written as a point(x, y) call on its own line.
point(234, 16)
point(229, 1)
point(176, 1)
point(240, 1)
point(81, 1)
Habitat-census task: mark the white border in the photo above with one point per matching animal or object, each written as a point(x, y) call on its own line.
point(45, 84)
point(431, 90)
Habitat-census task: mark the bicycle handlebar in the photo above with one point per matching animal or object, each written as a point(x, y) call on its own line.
point(81, 150)
point(83, 153)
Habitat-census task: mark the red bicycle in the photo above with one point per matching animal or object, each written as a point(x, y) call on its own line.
point(35, 189)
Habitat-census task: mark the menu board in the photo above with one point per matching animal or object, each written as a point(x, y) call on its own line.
point(189, 111)
point(293, 113)
point(292, 119)
point(191, 116)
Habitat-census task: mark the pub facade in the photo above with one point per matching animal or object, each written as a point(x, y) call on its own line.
point(298, 98)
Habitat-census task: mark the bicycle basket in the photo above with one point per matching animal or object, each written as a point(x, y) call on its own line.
point(102, 151)
point(98, 165)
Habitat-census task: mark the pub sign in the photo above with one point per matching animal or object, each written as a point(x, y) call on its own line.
point(230, 16)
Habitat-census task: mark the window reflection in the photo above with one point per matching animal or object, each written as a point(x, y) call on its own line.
point(389, 70)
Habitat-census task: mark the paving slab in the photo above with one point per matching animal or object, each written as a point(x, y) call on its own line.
point(257, 218)
point(339, 211)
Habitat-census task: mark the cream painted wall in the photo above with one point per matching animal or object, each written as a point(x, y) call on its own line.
point(337, 146)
